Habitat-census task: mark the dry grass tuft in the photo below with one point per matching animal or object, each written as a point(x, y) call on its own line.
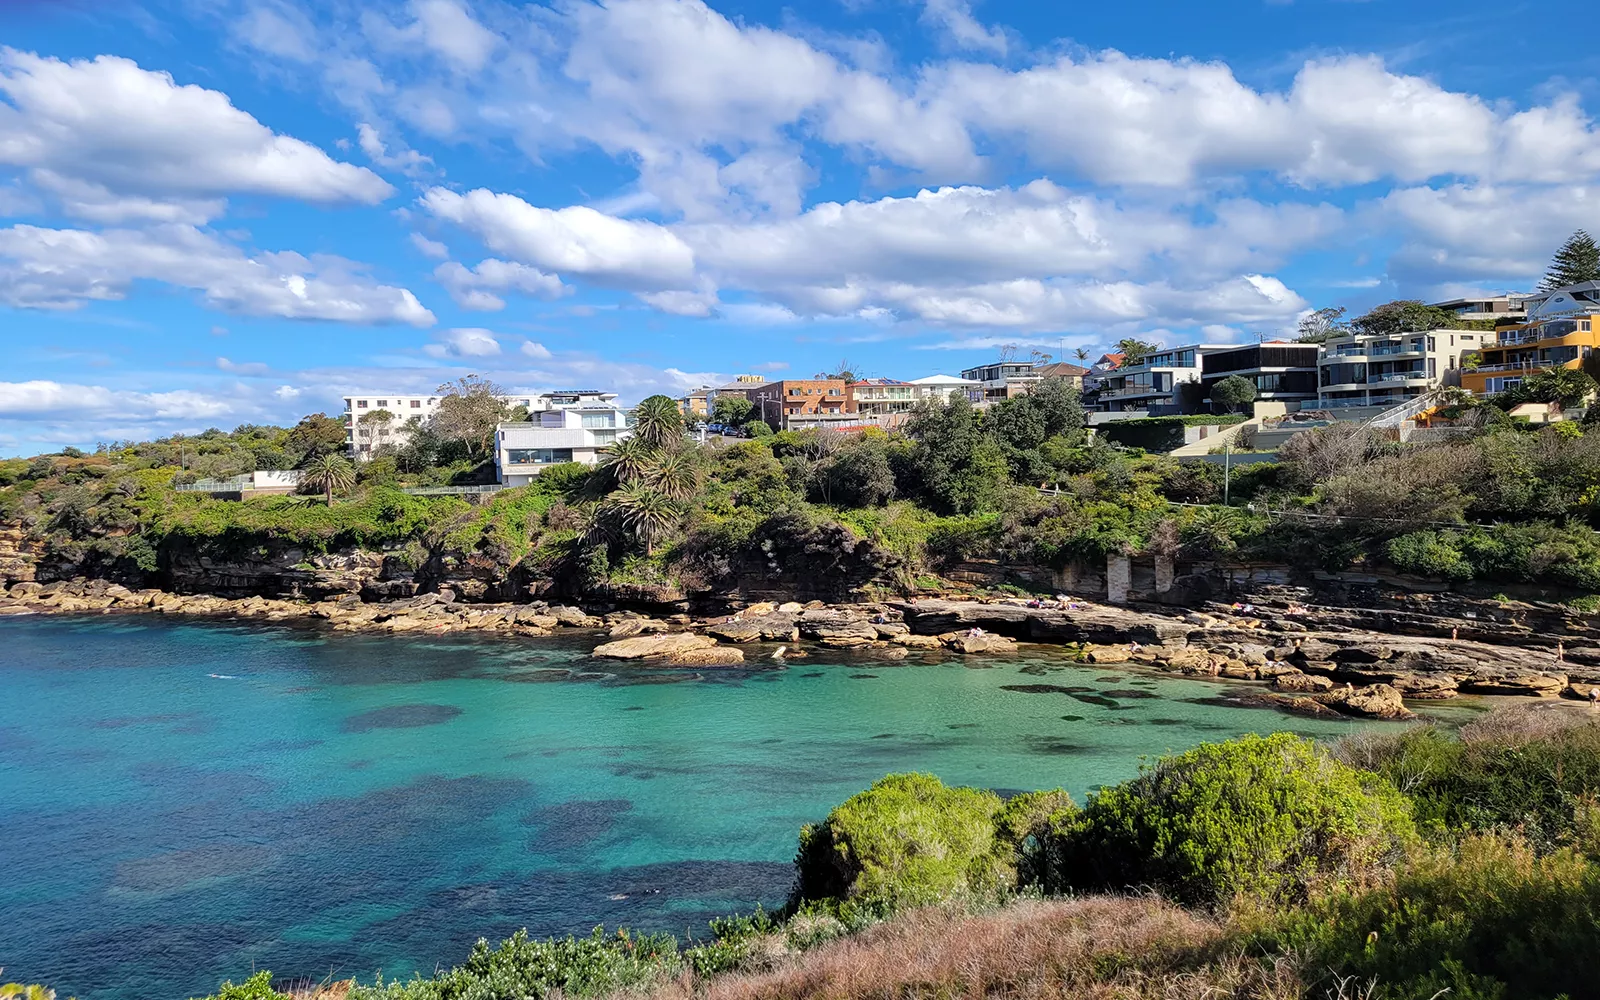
point(1519, 725)
point(1099, 948)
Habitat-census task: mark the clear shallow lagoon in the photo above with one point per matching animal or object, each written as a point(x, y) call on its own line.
point(347, 803)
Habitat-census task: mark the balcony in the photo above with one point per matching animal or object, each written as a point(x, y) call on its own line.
point(1397, 377)
point(1514, 366)
point(1389, 352)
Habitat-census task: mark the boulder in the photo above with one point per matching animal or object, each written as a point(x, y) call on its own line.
point(1363, 652)
point(888, 630)
point(775, 626)
point(1534, 685)
point(1298, 683)
point(760, 608)
point(1578, 690)
point(1193, 661)
point(839, 629)
point(1434, 686)
point(1238, 670)
point(641, 646)
point(574, 618)
point(1376, 701)
point(791, 607)
point(713, 656)
point(916, 641)
point(626, 628)
point(1313, 649)
point(988, 642)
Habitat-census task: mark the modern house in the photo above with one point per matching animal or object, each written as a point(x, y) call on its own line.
point(1365, 370)
point(776, 402)
point(567, 399)
point(376, 419)
point(1002, 379)
point(551, 437)
point(1560, 330)
point(943, 388)
point(1510, 306)
point(1281, 371)
point(877, 399)
point(1061, 369)
point(1151, 382)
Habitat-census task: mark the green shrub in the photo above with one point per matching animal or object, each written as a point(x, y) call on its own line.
point(1429, 553)
point(257, 987)
point(523, 968)
point(1533, 772)
point(1031, 825)
point(1149, 433)
point(1487, 919)
point(909, 840)
point(1258, 816)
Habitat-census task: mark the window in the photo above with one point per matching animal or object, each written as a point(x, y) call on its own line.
point(416, 404)
point(599, 420)
point(382, 403)
point(833, 392)
point(361, 404)
point(795, 392)
point(605, 437)
point(538, 456)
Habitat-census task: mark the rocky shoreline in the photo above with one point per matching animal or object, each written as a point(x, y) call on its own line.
point(1315, 661)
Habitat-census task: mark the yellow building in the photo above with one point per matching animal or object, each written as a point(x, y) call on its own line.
point(1560, 331)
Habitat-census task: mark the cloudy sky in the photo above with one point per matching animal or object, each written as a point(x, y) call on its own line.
point(215, 212)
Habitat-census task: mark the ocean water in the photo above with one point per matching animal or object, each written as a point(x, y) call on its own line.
point(183, 802)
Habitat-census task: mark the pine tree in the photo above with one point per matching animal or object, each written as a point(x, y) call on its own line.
point(1577, 260)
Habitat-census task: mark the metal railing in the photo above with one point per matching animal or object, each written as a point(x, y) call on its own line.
point(1396, 377)
point(215, 485)
point(1511, 366)
point(439, 491)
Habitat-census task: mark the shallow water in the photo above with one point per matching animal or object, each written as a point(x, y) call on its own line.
point(184, 802)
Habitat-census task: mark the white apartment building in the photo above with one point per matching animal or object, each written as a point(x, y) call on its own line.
point(365, 432)
point(1153, 382)
point(554, 436)
point(1363, 370)
point(943, 388)
point(877, 398)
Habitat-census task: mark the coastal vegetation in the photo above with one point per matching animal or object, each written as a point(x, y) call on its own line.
point(1497, 503)
point(1384, 866)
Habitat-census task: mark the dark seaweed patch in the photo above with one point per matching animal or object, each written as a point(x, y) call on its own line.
point(1044, 689)
point(400, 717)
point(1130, 694)
point(1072, 718)
point(1053, 745)
point(863, 677)
point(1097, 699)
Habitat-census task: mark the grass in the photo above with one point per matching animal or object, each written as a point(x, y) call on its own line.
point(1096, 948)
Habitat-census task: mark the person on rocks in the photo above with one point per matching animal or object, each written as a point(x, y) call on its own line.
point(1561, 652)
point(1594, 695)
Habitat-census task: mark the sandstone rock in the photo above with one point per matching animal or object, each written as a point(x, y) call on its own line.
point(761, 608)
point(1362, 653)
point(1298, 683)
point(1313, 649)
point(1536, 685)
point(574, 618)
point(1273, 668)
point(1376, 701)
point(1324, 667)
point(713, 656)
point(1578, 690)
point(641, 646)
point(775, 626)
point(888, 630)
point(1105, 654)
point(1202, 619)
point(916, 641)
point(1192, 661)
point(839, 629)
point(988, 642)
point(1238, 670)
point(893, 652)
point(1436, 687)
point(626, 628)
point(791, 607)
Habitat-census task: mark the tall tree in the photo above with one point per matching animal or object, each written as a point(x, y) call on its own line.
point(1233, 392)
point(1135, 350)
point(732, 411)
point(658, 422)
point(316, 434)
point(1082, 354)
point(1402, 316)
point(328, 473)
point(1322, 325)
point(644, 512)
point(628, 460)
point(1578, 260)
point(471, 408)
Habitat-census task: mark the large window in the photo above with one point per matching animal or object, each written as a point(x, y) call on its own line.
point(599, 420)
point(538, 456)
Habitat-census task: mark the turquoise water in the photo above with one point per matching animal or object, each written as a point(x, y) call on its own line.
point(342, 804)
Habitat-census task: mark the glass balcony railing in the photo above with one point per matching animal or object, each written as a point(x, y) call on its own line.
point(1397, 377)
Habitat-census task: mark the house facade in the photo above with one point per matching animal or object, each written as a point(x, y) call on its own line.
point(1002, 379)
point(942, 389)
point(878, 398)
point(1281, 372)
point(777, 401)
point(1362, 370)
point(552, 437)
point(373, 420)
point(1152, 381)
point(1560, 330)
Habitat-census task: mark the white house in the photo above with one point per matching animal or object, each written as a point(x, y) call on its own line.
point(943, 388)
point(549, 437)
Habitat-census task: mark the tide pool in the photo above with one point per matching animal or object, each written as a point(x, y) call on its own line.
point(184, 802)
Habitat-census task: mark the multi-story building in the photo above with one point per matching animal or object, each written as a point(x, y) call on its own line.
point(373, 420)
point(878, 398)
point(1370, 370)
point(776, 401)
point(1061, 369)
point(1282, 372)
point(696, 405)
point(943, 388)
point(549, 437)
point(1560, 330)
point(1002, 379)
point(1510, 306)
point(567, 399)
point(1152, 381)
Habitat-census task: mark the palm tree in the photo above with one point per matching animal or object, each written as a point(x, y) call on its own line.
point(22, 992)
point(658, 422)
point(645, 512)
point(676, 474)
point(1081, 353)
point(328, 473)
point(629, 459)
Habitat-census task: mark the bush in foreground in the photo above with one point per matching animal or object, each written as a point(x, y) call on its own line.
point(909, 840)
point(1268, 817)
point(1488, 920)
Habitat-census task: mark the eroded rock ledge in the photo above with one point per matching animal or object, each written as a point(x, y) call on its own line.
point(1316, 661)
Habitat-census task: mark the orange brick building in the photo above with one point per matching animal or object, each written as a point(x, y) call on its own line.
point(800, 397)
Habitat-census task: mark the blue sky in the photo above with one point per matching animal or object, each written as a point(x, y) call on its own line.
point(215, 212)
